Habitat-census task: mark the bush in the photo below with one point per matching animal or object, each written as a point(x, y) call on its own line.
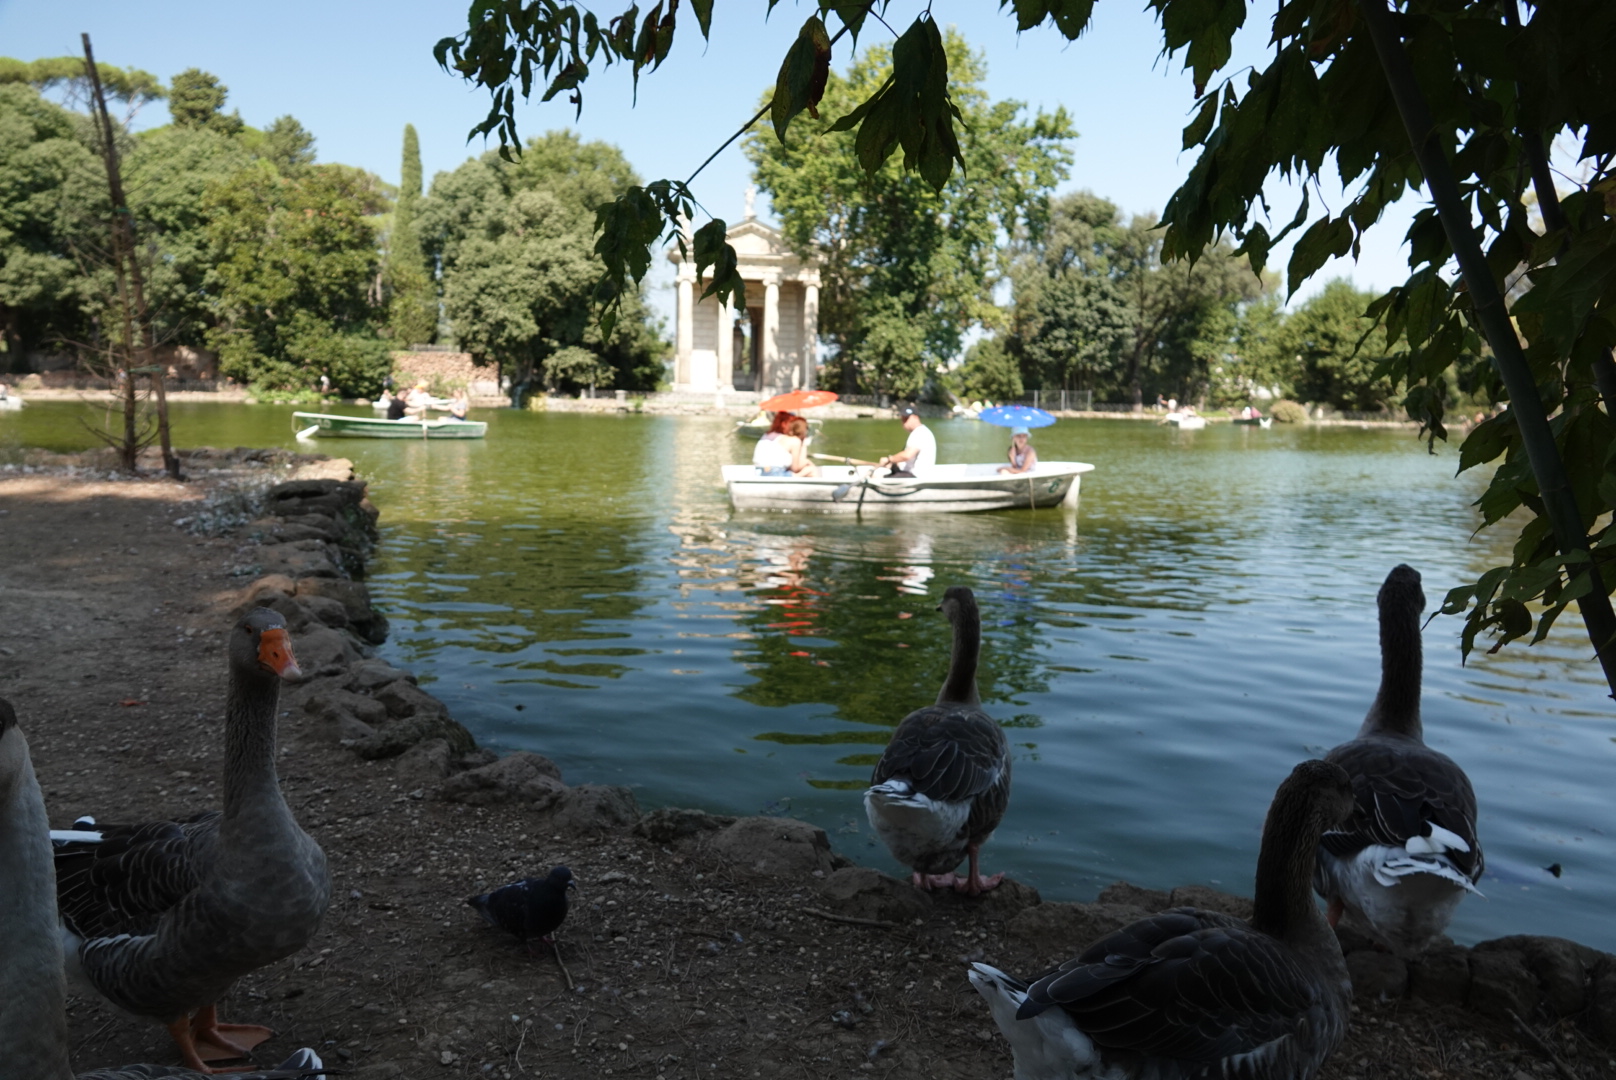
point(1288, 412)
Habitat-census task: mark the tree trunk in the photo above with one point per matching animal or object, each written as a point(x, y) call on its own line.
point(1559, 501)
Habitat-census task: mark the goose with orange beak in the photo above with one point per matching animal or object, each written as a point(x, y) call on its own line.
point(162, 918)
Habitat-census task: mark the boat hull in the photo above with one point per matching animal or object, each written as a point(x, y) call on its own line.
point(1264, 422)
point(950, 489)
point(335, 426)
point(1186, 421)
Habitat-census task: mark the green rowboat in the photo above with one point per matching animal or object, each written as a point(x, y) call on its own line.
point(336, 426)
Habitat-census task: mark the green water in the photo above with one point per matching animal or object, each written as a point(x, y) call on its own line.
point(578, 585)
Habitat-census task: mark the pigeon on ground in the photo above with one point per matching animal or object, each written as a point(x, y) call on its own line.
point(530, 908)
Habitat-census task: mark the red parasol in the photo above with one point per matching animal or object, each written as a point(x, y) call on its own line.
point(798, 399)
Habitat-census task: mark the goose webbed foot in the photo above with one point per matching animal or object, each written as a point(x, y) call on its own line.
point(974, 884)
point(202, 1039)
point(927, 882)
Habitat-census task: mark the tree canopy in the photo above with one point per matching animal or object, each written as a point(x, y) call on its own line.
point(908, 269)
point(1460, 95)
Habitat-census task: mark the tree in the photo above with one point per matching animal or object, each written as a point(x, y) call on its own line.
point(908, 269)
point(287, 144)
point(196, 99)
point(412, 311)
point(512, 241)
point(989, 373)
point(1344, 357)
point(1457, 94)
point(132, 86)
point(293, 260)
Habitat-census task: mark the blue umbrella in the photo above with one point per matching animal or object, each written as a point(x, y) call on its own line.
point(1016, 416)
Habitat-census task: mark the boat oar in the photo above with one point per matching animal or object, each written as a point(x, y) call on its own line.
point(308, 432)
point(846, 460)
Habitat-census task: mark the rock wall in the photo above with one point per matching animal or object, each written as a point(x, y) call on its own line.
point(445, 371)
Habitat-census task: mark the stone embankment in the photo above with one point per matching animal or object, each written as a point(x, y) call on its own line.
point(313, 540)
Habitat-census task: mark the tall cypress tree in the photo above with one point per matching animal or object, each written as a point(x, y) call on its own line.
point(412, 313)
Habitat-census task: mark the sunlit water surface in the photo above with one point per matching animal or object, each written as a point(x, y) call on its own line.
point(579, 586)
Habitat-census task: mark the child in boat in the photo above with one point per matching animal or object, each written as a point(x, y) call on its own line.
point(1023, 458)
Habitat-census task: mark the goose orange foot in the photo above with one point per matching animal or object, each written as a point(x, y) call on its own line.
point(933, 881)
point(973, 883)
point(202, 1039)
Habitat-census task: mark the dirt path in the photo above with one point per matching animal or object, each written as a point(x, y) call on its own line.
point(682, 962)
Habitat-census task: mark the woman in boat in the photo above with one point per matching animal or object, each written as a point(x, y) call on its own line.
point(785, 452)
point(1023, 458)
point(459, 403)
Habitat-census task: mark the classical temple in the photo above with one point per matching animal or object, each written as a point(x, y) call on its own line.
point(773, 345)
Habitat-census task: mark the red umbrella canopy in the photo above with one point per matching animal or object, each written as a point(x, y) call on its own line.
point(798, 399)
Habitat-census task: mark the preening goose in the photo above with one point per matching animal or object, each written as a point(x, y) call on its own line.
point(1399, 868)
point(33, 1017)
point(1191, 993)
point(942, 785)
point(530, 908)
point(162, 918)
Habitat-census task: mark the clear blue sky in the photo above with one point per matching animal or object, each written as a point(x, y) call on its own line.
point(355, 73)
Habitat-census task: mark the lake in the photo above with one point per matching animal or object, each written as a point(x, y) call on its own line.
point(578, 585)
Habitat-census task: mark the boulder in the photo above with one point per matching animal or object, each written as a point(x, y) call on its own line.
point(861, 892)
point(271, 530)
point(1500, 982)
point(1071, 928)
point(1209, 899)
point(1130, 895)
point(1601, 1019)
point(334, 704)
point(369, 624)
point(1441, 974)
point(263, 589)
point(399, 735)
point(319, 648)
point(330, 469)
point(1562, 969)
point(318, 525)
point(594, 806)
point(300, 559)
point(773, 847)
point(423, 765)
point(1377, 976)
point(338, 499)
point(668, 824)
point(369, 675)
point(519, 777)
point(325, 611)
point(404, 698)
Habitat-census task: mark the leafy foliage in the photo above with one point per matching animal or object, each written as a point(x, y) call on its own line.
point(131, 86)
point(989, 373)
point(196, 99)
point(412, 294)
point(512, 237)
point(906, 268)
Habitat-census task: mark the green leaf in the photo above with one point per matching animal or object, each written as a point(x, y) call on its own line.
point(704, 15)
point(1070, 17)
point(712, 249)
point(801, 82)
point(1197, 130)
point(1325, 239)
point(912, 109)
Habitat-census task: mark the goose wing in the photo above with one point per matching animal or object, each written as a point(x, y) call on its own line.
point(1405, 791)
point(124, 880)
point(1185, 985)
point(950, 753)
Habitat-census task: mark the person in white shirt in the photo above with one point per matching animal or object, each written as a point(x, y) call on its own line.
point(919, 454)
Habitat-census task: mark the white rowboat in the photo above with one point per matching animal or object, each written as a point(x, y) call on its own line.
point(943, 489)
point(1186, 421)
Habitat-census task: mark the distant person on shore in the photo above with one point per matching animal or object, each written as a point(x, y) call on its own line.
point(459, 403)
point(1023, 458)
point(919, 454)
point(325, 383)
point(785, 452)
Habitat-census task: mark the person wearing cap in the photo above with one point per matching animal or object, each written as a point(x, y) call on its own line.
point(1023, 458)
point(919, 454)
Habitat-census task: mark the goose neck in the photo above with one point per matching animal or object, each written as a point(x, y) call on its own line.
point(960, 686)
point(33, 992)
point(1284, 907)
point(1396, 710)
point(249, 744)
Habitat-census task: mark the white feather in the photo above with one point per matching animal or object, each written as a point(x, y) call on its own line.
point(1403, 901)
point(1440, 842)
point(68, 836)
point(1048, 1046)
point(911, 824)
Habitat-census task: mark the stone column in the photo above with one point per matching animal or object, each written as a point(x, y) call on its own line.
point(810, 335)
point(686, 328)
point(769, 377)
point(726, 345)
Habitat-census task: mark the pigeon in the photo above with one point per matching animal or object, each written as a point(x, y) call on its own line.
point(530, 908)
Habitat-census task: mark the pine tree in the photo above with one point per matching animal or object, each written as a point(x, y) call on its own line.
point(413, 305)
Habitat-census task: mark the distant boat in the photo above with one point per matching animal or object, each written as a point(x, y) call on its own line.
point(758, 426)
point(943, 489)
point(1264, 422)
point(336, 426)
point(1186, 421)
point(11, 402)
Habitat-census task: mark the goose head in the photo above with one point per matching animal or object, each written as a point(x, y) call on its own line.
point(959, 603)
point(260, 646)
point(1401, 599)
point(1315, 797)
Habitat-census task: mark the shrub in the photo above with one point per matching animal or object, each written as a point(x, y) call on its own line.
point(1288, 412)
